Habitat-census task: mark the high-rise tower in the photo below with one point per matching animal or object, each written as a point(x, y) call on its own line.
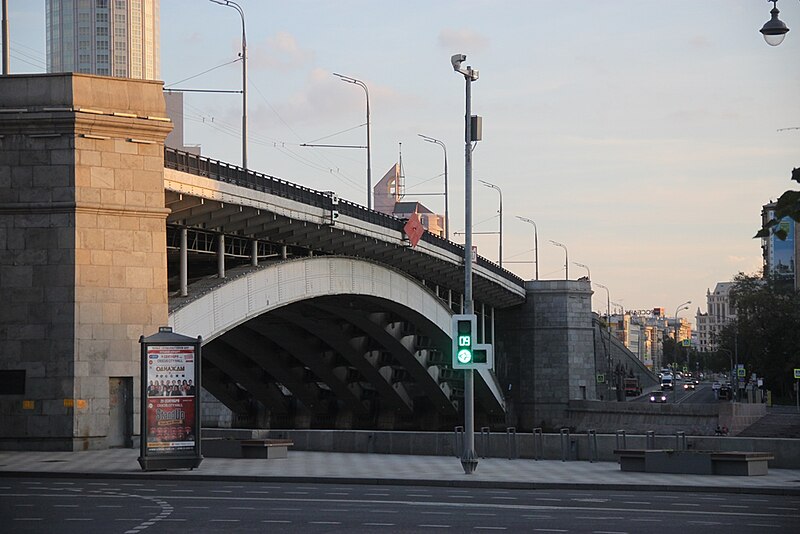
point(106, 37)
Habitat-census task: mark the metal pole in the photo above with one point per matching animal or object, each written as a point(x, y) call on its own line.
point(566, 256)
point(446, 188)
point(535, 243)
point(238, 8)
point(469, 461)
point(363, 85)
point(184, 268)
point(6, 48)
point(500, 211)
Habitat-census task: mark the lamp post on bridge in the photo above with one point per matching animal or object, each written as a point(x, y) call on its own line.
point(493, 186)
point(238, 8)
point(566, 257)
point(535, 243)
point(361, 84)
point(446, 201)
point(588, 272)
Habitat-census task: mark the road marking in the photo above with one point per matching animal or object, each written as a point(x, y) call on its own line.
point(376, 495)
point(705, 523)
point(79, 519)
point(434, 526)
point(490, 528)
point(636, 502)
point(324, 522)
point(549, 530)
point(733, 506)
point(296, 493)
point(436, 513)
point(345, 510)
point(28, 519)
point(337, 493)
point(196, 507)
point(257, 492)
point(479, 514)
point(242, 508)
point(684, 504)
point(275, 521)
point(182, 491)
point(378, 524)
point(781, 508)
point(547, 499)
point(609, 532)
point(762, 525)
point(220, 491)
point(506, 498)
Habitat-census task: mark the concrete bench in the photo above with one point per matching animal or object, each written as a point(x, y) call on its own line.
point(245, 448)
point(693, 462)
point(740, 463)
point(266, 448)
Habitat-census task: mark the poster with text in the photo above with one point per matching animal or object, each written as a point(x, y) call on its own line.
point(171, 398)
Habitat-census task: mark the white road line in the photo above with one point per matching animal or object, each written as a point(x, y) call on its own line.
point(733, 506)
point(296, 492)
point(345, 510)
point(761, 525)
point(257, 492)
point(506, 498)
point(436, 513)
point(376, 495)
point(480, 514)
point(324, 522)
point(182, 491)
point(242, 508)
point(781, 508)
point(28, 519)
point(284, 521)
point(196, 507)
point(647, 520)
point(546, 499)
point(336, 493)
point(378, 524)
point(434, 526)
point(549, 530)
point(684, 504)
point(79, 519)
point(220, 491)
point(491, 528)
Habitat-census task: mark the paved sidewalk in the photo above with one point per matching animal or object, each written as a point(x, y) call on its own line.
point(396, 469)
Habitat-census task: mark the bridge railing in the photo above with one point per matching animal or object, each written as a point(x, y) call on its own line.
point(225, 172)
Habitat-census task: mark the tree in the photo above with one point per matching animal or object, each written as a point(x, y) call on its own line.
point(766, 333)
point(788, 205)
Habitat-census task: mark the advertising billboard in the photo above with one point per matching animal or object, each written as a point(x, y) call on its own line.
point(170, 401)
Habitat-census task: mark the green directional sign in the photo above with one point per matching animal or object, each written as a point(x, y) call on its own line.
point(601, 378)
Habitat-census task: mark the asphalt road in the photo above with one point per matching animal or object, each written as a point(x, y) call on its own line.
point(702, 394)
point(88, 506)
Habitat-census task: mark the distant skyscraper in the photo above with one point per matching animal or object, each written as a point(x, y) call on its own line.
point(780, 255)
point(106, 37)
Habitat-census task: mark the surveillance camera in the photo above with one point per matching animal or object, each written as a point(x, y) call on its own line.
point(457, 60)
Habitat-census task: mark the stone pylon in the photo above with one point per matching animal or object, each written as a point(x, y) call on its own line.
point(83, 270)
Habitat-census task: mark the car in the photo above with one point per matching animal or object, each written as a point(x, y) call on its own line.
point(715, 386)
point(688, 385)
point(658, 396)
point(725, 392)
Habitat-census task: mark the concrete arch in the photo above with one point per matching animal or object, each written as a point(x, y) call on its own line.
point(277, 285)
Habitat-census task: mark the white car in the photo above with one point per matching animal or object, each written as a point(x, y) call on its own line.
point(715, 386)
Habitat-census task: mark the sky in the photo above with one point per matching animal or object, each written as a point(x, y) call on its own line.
point(643, 135)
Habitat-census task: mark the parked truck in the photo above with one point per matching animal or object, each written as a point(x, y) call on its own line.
point(632, 387)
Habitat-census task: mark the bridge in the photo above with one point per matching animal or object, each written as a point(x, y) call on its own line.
point(319, 309)
point(314, 312)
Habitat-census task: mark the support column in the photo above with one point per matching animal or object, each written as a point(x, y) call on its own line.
point(254, 253)
point(184, 262)
point(221, 255)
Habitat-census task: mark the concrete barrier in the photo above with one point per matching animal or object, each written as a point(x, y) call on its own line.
point(786, 452)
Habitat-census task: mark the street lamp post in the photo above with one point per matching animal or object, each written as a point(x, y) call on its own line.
point(588, 272)
point(774, 30)
point(493, 186)
point(446, 201)
point(238, 8)
point(469, 460)
point(684, 306)
point(535, 243)
point(566, 259)
point(361, 84)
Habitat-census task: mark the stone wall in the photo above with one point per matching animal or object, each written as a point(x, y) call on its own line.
point(549, 350)
point(83, 240)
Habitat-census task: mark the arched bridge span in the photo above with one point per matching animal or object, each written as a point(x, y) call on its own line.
point(328, 341)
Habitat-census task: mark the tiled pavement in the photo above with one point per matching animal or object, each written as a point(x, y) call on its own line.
point(397, 469)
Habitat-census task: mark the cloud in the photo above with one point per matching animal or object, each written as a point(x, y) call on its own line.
point(699, 41)
point(279, 52)
point(463, 39)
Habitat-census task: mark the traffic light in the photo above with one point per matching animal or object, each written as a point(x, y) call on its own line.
point(464, 338)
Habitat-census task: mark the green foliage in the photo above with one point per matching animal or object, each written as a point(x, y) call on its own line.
point(788, 205)
point(766, 334)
